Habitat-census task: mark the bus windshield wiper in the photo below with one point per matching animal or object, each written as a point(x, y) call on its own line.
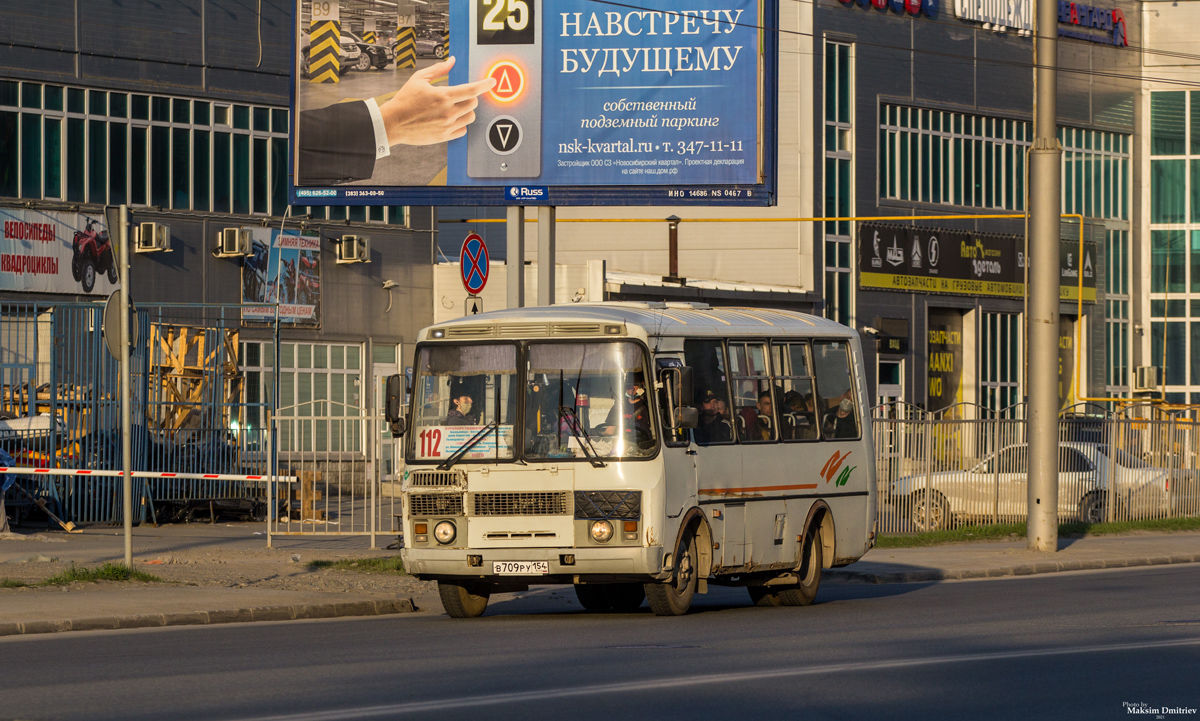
point(462, 450)
point(585, 441)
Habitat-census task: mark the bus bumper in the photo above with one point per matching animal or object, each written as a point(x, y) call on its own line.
point(436, 563)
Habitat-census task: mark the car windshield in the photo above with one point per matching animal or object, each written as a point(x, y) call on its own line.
point(582, 398)
point(460, 391)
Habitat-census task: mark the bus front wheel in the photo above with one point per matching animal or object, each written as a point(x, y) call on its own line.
point(674, 597)
point(461, 601)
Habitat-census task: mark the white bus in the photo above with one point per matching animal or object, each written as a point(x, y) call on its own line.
point(637, 451)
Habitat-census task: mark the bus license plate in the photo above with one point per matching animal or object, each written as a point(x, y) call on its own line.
point(520, 568)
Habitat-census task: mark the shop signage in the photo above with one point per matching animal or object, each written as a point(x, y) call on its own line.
point(1110, 20)
point(927, 8)
point(45, 252)
point(1000, 14)
point(282, 268)
point(933, 260)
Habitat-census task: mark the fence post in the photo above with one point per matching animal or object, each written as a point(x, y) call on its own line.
point(1170, 457)
point(928, 467)
point(996, 469)
point(372, 431)
point(271, 506)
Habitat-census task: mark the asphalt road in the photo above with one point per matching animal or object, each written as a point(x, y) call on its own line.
point(1062, 646)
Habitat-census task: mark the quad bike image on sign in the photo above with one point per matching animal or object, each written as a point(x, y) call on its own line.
point(92, 253)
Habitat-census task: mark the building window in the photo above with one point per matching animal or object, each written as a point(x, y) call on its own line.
point(1175, 242)
point(1116, 312)
point(1095, 177)
point(1000, 360)
point(839, 180)
point(319, 397)
point(147, 150)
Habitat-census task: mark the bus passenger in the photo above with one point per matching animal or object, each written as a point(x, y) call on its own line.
point(840, 422)
point(714, 421)
point(630, 413)
point(762, 421)
point(461, 414)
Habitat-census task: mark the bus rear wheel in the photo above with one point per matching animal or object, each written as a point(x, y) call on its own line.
point(674, 597)
point(461, 601)
point(802, 593)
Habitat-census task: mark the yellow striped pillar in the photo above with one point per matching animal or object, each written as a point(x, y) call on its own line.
point(324, 51)
point(406, 48)
point(446, 43)
point(369, 31)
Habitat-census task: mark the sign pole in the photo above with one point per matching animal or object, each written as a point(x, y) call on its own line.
point(1045, 178)
point(516, 256)
point(545, 260)
point(126, 387)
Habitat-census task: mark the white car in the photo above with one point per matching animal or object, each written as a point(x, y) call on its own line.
point(998, 486)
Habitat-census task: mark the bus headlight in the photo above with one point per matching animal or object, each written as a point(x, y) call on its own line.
point(445, 532)
point(602, 531)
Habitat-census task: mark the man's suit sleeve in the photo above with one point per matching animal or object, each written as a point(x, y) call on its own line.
point(336, 144)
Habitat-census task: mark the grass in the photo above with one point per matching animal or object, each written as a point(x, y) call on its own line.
point(1014, 531)
point(12, 583)
point(107, 572)
point(391, 565)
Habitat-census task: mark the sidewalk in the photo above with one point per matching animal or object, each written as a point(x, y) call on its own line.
point(1011, 558)
point(224, 573)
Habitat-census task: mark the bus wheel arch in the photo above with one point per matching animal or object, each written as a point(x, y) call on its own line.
point(821, 515)
point(695, 523)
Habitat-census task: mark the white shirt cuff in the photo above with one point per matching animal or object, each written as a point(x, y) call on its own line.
point(382, 149)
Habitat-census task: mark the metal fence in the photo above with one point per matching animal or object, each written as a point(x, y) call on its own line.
point(59, 407)
point(339, 473)
point(968, 465)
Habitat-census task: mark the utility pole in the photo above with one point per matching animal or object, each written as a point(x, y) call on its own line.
point(516, 256)
point(1044, 207)
point(126, 388)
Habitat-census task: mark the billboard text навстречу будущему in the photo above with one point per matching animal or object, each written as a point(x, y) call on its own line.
point(636, 103)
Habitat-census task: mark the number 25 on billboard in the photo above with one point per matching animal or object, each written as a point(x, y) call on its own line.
point(518, 14)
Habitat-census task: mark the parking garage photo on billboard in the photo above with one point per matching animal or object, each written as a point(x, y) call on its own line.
point(574, 97)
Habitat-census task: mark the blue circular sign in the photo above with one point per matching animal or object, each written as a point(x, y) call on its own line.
point(474, 264)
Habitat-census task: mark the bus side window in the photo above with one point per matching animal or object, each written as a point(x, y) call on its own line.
point(837, 403)
point(794, 402)
point(754, 412)
point(707, 360)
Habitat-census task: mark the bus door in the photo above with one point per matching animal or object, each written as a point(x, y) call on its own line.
point(679, 454)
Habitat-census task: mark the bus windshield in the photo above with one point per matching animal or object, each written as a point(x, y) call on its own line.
point(588, 400)
point(460, 392)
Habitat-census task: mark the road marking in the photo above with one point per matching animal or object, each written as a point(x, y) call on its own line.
point(444, 704)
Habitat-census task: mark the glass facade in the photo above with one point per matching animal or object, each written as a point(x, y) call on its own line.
point(1175, 242)
point(839, 181)
point(108, 147)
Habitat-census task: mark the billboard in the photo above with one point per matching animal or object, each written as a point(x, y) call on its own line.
point(959, 262)
point(50, 252)
point(529, 102)
point(284, 268)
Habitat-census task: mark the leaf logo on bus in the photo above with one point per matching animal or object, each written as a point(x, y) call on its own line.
point(833, 464)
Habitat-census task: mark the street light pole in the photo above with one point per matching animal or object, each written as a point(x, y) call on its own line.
point(1044, 207)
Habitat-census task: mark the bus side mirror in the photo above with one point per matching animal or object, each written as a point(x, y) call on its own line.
point(394, 404)
point(686, 387)
point(687, 417)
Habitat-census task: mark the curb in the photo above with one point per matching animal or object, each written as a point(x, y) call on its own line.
point(204, 618)
point(1027, 569)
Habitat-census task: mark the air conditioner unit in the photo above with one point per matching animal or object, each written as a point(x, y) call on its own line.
point(233, 242)
point(152, 237)
point(1145, 378)
point(354, 249)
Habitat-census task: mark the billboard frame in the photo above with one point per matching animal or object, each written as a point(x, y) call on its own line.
point(762, 194)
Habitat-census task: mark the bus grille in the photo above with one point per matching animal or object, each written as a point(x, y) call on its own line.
point(608, 504)
point(522, 504)
point(435, 504)
point(437, 479)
